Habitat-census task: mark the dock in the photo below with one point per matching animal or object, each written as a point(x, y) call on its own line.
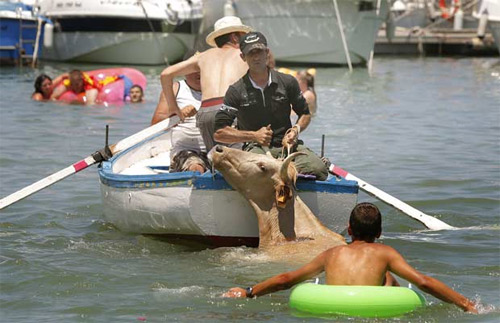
point(435, 42)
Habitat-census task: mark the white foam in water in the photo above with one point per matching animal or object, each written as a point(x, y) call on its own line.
point(165, 293)
point(484, 308)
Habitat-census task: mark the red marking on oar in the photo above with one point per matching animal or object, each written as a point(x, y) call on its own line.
point(80, 165)
point(339, 171)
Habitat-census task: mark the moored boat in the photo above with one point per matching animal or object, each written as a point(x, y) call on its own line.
point(148, 32)
point(21, 31)
point(141, 196)
point(310, 31)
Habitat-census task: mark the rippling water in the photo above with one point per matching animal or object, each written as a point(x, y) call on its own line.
point(425, 130)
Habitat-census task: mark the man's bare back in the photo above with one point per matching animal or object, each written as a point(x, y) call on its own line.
point(219, 68)
point(370, 259)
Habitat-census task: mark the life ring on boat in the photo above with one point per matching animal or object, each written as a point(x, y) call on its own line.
point(446, 12)
point(114, 85)
point(361, 301)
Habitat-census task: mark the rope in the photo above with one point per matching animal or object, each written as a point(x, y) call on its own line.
point(165, 58)
point(341, 28)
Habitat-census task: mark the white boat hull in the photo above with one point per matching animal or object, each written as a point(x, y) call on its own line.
point(307, 32)
point(202, 207)
point(141, 48)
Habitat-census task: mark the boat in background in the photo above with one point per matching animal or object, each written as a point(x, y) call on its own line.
point(141, 196)
point(489, 13)
point(308, 32)
point(433, 27)
point(147, 32)
point(21, 31)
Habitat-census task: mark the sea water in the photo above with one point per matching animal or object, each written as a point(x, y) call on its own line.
point(426, 130)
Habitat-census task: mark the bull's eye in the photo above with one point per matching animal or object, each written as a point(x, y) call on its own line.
point(262, 166)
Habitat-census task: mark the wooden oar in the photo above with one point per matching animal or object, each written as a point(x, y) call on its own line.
point(88, 161)
point(429, 221)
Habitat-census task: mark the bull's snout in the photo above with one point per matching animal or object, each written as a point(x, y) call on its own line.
point(219, 148)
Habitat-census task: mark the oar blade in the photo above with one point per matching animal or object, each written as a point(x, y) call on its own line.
point(427, 220)
point(47, 181)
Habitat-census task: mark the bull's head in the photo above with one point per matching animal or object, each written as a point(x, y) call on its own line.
point(257, 177)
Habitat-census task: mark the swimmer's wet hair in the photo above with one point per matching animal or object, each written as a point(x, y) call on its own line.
point(365, 221)
point(39, 80)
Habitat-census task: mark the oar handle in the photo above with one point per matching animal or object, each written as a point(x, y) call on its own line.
point(96, 157)
point(427, 220)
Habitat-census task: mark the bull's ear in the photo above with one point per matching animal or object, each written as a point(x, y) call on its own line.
point(287, 175)
point(283, 194)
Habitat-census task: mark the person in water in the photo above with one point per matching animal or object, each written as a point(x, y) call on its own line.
point(81, 84)
point(362, 262)
point(44, 86)
point(306, 84)
point(136, 94)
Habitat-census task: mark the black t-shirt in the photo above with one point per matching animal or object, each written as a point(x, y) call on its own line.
point(246, 103)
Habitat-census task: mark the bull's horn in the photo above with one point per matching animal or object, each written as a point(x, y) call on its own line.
point(286, 163)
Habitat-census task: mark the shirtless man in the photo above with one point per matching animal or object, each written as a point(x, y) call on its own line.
point(219, 68)
point(363, 262)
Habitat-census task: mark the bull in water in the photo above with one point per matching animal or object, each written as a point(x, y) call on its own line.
point(269, 186)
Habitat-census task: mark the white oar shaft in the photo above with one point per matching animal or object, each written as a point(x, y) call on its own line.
point(84, 163)
point(47, 181)
point(429, 221)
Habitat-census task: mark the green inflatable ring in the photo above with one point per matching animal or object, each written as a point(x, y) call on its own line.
point(362, 301)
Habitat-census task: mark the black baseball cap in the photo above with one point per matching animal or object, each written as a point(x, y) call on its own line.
point(251, 41)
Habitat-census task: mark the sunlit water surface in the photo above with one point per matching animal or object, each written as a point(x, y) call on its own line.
point(425, 130)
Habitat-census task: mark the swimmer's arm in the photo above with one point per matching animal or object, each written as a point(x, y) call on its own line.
point(390, 280)
point(167, 78)
point(60, 78)
point(430, 285)
point(162, 109)
point(58, 91)
point(285, 280)
point(37, 97)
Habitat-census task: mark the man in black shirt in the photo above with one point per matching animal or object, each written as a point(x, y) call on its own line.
point(262, 101)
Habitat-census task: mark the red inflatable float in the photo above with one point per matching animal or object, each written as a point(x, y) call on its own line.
point(113, 85)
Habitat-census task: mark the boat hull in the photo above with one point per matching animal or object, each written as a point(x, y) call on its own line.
point(201, 206)
point(307, 32)
point(118, 47)
point(11, 49)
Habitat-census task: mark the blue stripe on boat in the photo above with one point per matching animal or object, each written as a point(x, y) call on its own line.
point(206, 181)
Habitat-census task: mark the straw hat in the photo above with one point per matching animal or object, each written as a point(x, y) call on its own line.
point(226, 25)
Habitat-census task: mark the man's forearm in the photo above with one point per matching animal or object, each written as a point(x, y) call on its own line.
point(303, 121)
point(167, 87)
point(230, 135)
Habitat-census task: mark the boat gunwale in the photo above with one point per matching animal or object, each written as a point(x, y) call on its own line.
point(207, 180)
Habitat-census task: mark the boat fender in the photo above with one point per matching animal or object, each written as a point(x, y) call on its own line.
point(458, 20)
point(48, 35)
point(229, 8)
point(481, 26)
point(390, 26)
